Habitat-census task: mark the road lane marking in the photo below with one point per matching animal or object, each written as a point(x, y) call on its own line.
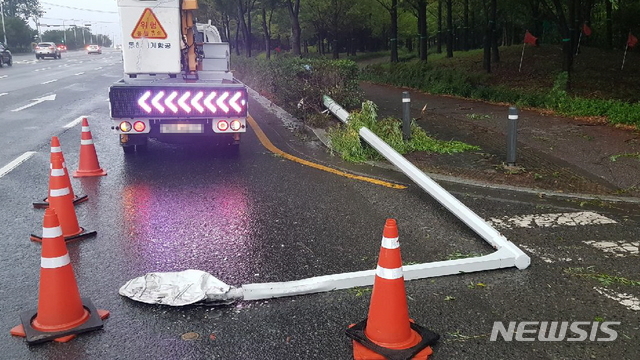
point(98, 68)
point(546, 258)
point(3, 94)
point(550, 220)
point(74, 122)
point(19, 160)
point(629, 301)
point(49, 82)
point(3, 76)
point(617, 248)
point(80, 73)
point(36, 102)
point(267, 144)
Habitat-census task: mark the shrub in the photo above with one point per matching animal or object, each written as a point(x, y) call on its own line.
point(346, 139)
point(298, 85)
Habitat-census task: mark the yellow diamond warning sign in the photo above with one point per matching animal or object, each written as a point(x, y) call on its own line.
point(148, 27)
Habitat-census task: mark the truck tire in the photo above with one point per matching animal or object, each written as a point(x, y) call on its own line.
point(142, 148)
point(233, 149)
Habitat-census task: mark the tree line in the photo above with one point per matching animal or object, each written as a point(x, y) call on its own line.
point(422, 26)
point(21, 37)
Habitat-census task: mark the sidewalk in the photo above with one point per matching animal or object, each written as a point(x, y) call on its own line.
point(554, 154)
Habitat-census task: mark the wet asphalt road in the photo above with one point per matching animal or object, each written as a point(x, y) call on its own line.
point(257, 217)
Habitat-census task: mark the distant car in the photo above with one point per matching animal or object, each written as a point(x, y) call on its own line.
point(62, 48)
point(5, 56)
point(94, 49)
point(47, 49)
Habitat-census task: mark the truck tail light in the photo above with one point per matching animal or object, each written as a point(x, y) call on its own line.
point(223, 125)
point(125, 126)
point(139, 126)
point(235, 125)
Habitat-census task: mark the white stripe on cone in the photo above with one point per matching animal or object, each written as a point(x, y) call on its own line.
point(85, 129)
point(389, 274)
point(51, 233)
point(63, 165)
point(86, 142)
point(390, 243)
point(57, 172)
point(56, 149)
point(56, 262)
point(60, 192)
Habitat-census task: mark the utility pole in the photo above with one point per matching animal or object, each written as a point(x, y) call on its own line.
point(39, 31)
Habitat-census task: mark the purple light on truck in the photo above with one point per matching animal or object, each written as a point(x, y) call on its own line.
point(195, 104)
point(233, 100)
point(142, 103)
point(169, 102)
point(156, 101)
point(221, 104)
point(208, 104)
point(182, 102)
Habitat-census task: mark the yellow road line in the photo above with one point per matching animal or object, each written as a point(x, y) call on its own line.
point(267, 144)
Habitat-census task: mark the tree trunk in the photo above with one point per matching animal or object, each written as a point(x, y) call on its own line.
point(249, 35)
point(486, 42)
point(609, 10)
point(465, 41)
point(394, 31)
point(267, 33)
point(238, 39)
point(294, 12)
point(495, 55)
point(439, 36)
point(243, 27)
point(422, 29)
point(449, 29)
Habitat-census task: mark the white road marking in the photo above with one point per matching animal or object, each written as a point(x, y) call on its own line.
point(3, 76)
point(49, 82)
point(19, 160)
point(74, 122)
point(544, 258)
point(617, 248)
point(80, 73)
point(98, 68)
point(3, 94)
point(629, 301)
point(551, 220)
point(36, 102)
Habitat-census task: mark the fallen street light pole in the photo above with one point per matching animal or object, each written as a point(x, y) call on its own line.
point(514, 256)
point(195, 286)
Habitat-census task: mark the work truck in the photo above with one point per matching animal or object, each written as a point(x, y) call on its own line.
point(177, 84)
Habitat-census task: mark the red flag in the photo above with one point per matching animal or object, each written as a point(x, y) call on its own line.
point(586, 30)
point(530, 39)
point(632, 40)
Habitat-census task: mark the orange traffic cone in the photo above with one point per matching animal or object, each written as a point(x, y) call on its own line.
point(89, 165)
point(61, 200)
point(388, 332)
point(56, 151)
point(61, 313)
